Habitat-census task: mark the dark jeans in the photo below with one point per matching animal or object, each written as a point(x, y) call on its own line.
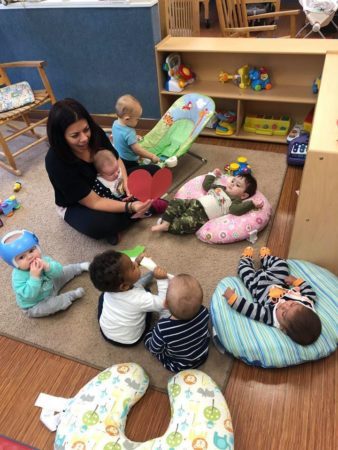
point(134, 165)
point(96, 224)
point(99, 312)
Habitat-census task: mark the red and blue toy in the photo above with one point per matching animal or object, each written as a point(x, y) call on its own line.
point(259, 79)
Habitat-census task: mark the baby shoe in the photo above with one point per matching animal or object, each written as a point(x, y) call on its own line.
point(159, 205)
point(247, 252)
point(264, 251)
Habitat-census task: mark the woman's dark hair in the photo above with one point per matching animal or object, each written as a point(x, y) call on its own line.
point(105, 271)
point(63, 114)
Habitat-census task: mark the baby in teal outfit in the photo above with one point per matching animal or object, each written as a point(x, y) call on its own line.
point(37, 279)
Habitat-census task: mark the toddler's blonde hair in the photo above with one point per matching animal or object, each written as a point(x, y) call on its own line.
point(184, 296)
point(125, 105)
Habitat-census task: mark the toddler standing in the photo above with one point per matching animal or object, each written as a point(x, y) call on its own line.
point(275, 304)
point(181, 341)
point(128, 111)
point(124, 303)
point(37, 279)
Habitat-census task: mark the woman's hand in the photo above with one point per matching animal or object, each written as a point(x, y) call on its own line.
point(140, 207)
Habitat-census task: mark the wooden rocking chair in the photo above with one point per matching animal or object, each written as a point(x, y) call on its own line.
point(41, 97)
point(234, 20)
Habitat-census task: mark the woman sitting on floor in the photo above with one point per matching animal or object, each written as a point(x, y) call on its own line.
point(74, 139)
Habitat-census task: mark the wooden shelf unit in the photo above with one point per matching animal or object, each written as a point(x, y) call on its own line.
point(292, 64)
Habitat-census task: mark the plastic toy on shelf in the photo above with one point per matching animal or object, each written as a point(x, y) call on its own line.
point(225, 129)
point(316, 86)
point(295, 132)
point(266, 124)
point(259, 79)
point(179, 75)
point(308, 120)
point(226, 123)
point(9, 206)
point(240, 78)
point(238, 167)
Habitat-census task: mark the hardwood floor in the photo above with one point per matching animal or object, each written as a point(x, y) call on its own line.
point(291, 408)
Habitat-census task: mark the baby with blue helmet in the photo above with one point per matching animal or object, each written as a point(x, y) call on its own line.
point(37, 279)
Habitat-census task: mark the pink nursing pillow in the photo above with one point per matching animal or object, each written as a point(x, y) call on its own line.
point(229, 228)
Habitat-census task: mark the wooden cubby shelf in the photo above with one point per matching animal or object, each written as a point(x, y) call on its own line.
point(293, 65)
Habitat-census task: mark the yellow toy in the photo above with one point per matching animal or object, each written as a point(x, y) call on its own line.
point(17, 186)
point(244, 80)
point(240, 79)
point(239, 167)
point(225, 128)
point(266, 124)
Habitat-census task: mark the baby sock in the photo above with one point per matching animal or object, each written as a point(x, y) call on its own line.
point(77, 293)
point(85, 266)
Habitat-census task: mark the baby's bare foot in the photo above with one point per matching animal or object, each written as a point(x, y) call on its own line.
point(164, 226)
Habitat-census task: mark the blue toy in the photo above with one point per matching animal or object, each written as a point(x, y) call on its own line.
point(9, 206)
point(259, 79)
point(316, 86)
point(21, 244)
point(297, 150)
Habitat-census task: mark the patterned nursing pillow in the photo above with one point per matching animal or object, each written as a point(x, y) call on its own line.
point(228, 228)
point(95, 418)
point(260, 345)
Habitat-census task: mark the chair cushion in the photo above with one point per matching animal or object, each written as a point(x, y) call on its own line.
point(96, 416)
point(228, 228)
point(15, 95)
point(261, 345)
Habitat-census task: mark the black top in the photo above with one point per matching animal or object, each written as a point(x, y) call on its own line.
point(72, 181)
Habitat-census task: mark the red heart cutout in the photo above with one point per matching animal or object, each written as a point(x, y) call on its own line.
point(143, 186)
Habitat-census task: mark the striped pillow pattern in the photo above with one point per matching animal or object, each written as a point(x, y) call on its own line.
point(260, 345)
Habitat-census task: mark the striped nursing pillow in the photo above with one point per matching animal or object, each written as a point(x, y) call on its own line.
point(261, 345)
point(95, 418)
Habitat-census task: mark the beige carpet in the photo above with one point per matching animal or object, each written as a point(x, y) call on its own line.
point(75, 333)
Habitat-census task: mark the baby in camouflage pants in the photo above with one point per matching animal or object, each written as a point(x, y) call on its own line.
point(185, 216)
